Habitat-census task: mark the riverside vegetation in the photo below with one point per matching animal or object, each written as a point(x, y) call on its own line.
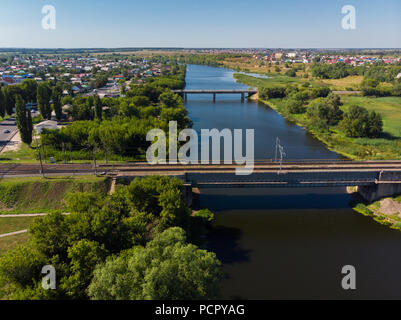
point(353, 126)
point(142, 242)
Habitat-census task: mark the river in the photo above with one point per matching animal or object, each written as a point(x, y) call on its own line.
point(288, 243)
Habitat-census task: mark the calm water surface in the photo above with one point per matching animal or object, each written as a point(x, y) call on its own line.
point(288, 243)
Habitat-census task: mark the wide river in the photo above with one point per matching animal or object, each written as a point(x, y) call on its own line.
point(288, 243)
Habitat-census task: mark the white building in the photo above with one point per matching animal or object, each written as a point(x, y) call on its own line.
point(48, 124)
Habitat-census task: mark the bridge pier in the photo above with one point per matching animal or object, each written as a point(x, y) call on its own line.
point(242, 97)
point(379, 191)
point(187, 194)
point(214, 97)
point(388, 185)
point(191, 196)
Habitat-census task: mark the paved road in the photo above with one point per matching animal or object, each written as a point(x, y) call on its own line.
point(9, 125)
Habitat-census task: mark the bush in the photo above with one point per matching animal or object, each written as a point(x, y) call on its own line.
point(272, 92)
point(295, 106)
point(359, 123)
point(291, 73)
point(319, 92)
point(166, 269)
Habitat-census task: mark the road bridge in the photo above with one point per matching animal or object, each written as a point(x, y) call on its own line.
point(184, 93)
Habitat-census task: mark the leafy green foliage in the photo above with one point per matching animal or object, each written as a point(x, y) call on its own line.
point(56, 97)
point(97, 228)
point(44, 93)
point(24, 120)
point(332, 71)
point(359, 122)
point(166, 269)
point(325, 112)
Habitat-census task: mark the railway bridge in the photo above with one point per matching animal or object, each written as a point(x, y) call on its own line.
point(374, 179)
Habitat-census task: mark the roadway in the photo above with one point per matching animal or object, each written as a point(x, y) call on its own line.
point(5, 125)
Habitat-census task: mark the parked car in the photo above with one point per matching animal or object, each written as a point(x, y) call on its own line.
point(6, 131)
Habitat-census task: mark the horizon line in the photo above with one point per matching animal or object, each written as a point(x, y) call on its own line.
point(198, 48)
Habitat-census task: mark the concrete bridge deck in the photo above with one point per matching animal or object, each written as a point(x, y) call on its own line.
point(214, 92)
point(222, 91)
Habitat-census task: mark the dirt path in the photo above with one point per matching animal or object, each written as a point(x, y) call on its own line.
point(26, 215)
point(13, 144)
point(12, 233)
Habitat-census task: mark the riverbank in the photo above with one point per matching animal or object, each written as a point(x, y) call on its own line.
point(387, 147)
point(386, 211)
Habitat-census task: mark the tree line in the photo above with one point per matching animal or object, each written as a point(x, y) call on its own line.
point(116, 128)
point(322, 108)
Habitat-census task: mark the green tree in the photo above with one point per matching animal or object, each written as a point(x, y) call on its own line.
point(325, 112)
point(294, 106)
point(141, 101)
point(24, 120)
point(2, 104)
point(170, 100)
point(56, 97)
point(29, 88)
point(358, 122)
point(84, 256)
point(375, 125)
point(43, 97)
point(18, 268)
point(10, 92)
point(166, 269)
point(291, 73)
point(98, 108)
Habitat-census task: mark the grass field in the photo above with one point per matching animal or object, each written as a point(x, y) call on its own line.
point(343, 84)
point(38, 195)
point(9, 243)
point(277, 80)
point(23, 154)
point(388, 107)
point(8, 225)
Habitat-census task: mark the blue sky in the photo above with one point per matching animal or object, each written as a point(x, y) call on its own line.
point(206, 23)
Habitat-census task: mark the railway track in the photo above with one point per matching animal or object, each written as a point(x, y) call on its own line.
point(136, 168)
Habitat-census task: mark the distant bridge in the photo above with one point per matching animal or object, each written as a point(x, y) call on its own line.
point(184, 93)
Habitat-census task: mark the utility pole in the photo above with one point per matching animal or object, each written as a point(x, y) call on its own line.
point(282, 154)
point(43, 151)
point(40, 159)
point(64, 158)
point(94, 159)
point(279, 149)
point(70, 155)
point(105, 153)
point(277, 144)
